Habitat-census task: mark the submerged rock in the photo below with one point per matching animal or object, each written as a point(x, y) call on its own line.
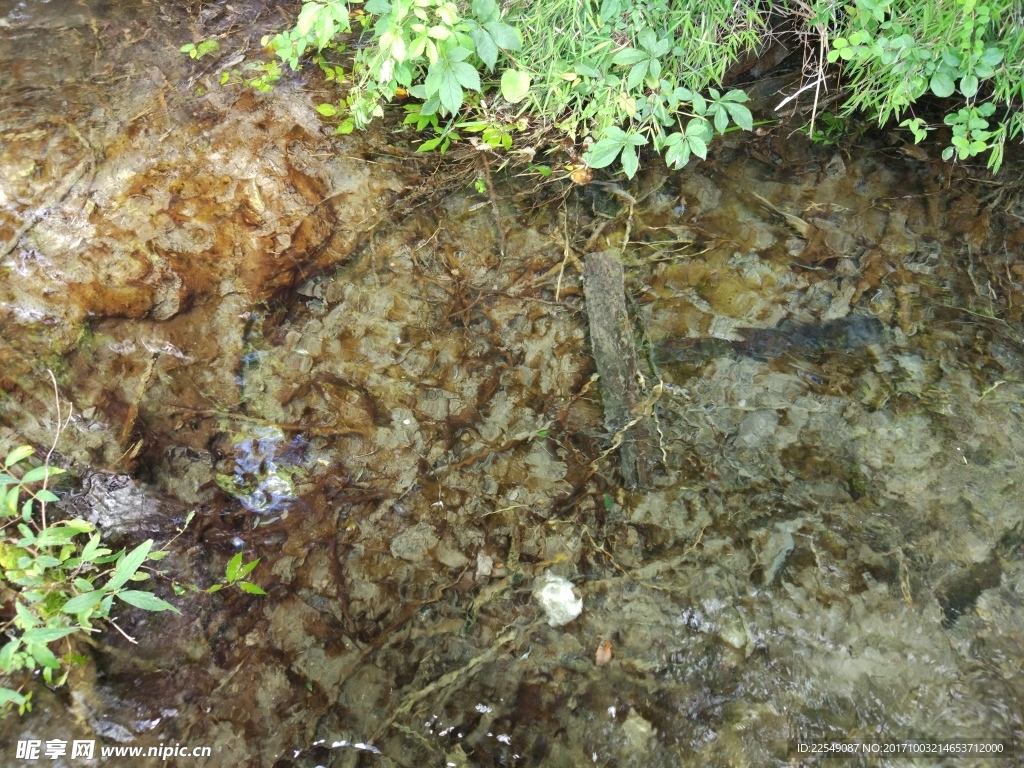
point(845, 334)
point(118, 506)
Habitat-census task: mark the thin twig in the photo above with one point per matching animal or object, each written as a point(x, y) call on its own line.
point(127, 637)
point(494, 206)
point(568, 252)
point(61, 424)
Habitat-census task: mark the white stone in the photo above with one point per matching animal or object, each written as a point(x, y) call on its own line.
point(558, 600)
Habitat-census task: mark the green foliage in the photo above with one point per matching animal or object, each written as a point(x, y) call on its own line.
point(234, 576)
point(831, 129)
point(318, 24)
point(894, 52)
point(621, 74)
point(640, 67)
point(260, 75)
point(636, 67)
point(198, 50)
point(58, 578)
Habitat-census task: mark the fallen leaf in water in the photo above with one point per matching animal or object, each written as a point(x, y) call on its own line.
point(604, 653)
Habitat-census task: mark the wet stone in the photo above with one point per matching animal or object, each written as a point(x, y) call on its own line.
point(415, 543)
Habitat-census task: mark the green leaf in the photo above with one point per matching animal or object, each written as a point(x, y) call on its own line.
point(9, 696)
point(628, 56)
point(47, 634)
point(129, 565)
point(216, 587)
point(678, 153)
point(700, 127)
point(430, 144)
point(504, 36)
point(991, 57)
point(26, 617)
point(630, 162)
point(603, 153)
point(10, 503)
point(246, 569)
point(942, 85)
point(486, 48)
point(327, 110)
point(327, 27)
point(610, 9)
point(647, 38)
point(466, 75)
point(252, 589)
point(741, 116)
point(485, 10)
point(84, 602)
point(969, 86)
point(308, 17)
point(43, 655)
point(231, 572)
point(37, 474)
point(22, 452)
point(697, 146)
point(147, 601)
point(637, 74)
point(29, 537)
point(721, 119)
point(55, 536)
point(91, 549)
point(515, 85)
point(450, 92)
point(7, 653)
point(346, 126)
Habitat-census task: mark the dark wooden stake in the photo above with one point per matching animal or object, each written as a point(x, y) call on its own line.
point(611, 337)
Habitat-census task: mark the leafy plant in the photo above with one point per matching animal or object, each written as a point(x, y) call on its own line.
point(261, 75)
point(636, 67)
point(970, 131)
point(234, 575)
point(896, 51)
point(58, 580)
point(198, 50)
point(616, 141)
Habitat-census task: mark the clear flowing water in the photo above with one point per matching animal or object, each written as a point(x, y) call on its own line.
point(317, 345)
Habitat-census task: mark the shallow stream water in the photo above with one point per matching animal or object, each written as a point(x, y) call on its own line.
point(323, 347)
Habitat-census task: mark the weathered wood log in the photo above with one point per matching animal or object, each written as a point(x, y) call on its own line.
point(611, 337)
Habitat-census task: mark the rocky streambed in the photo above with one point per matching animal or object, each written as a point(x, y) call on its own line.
point(349, 363)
